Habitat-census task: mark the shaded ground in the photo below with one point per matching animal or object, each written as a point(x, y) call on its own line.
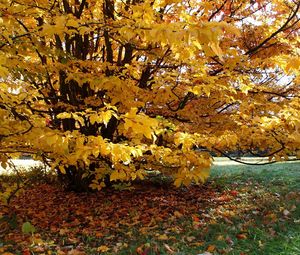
point(241, 210)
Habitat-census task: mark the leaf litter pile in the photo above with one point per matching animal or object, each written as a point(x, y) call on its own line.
point(146, 220)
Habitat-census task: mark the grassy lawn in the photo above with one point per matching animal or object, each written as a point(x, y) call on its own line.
point(275, 189)
point(240, 210)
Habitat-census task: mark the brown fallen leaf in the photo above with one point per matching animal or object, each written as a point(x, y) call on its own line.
point(39, 249)
point(63, 231)
point(76, 252)
point(60, 252)
point(198, 243)
point(26, 252)
point(228, 221)
point(190, 238)
point(241, 236)
point(168, 248)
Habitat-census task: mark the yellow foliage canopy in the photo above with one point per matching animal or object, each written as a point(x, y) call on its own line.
point(112, 88)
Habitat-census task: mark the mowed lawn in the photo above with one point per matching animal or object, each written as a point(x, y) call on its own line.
point(240, 210)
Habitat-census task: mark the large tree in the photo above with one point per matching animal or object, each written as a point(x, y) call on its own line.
point(114, 88)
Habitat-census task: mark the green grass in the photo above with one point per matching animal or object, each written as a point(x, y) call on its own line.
point(281, 179)
point(278, 177)
point(275, 187)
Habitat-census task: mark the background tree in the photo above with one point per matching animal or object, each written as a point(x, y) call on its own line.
point(114, 88)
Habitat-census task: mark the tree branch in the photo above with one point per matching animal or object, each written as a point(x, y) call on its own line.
point(282, 28)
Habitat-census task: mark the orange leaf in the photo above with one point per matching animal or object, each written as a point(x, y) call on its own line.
point(211, 248)
point(139, 250)
point(241, 236)
point(195, 218)
point(98, 234)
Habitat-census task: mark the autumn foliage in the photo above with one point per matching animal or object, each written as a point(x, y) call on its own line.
point(109, 90)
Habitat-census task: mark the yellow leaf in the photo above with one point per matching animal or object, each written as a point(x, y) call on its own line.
point(114, 175)
point(106, 116)
point(178, 214)
point(93, 118)
point(62, 169)
point(52, 139)
point(178, 182)
point(196, 90)
point(117, 175)
point(217, 50)
point(72, 23)
point(3, 165)
point(163, 237)
point(103, 248)
point(140, 174)
point(245, 88)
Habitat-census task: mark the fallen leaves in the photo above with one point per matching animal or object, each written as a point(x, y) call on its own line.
point(65, 215)
point(166, 216)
